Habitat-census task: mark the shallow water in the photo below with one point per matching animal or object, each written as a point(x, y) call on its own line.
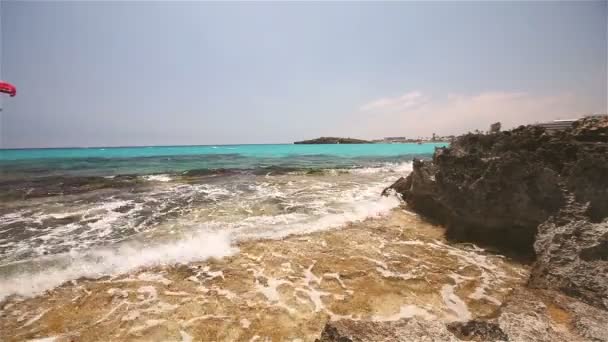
point(386, 268)
point(86, 234)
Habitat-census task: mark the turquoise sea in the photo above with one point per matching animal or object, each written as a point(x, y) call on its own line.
point(169, 159)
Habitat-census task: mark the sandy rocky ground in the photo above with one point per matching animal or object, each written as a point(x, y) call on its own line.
point(397, 271)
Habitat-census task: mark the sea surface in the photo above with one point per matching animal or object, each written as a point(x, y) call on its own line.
point(196, 242)
point(61, 206)
point(173, 159)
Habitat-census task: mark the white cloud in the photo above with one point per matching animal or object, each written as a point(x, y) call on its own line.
point(416, 114)
point(407, 100)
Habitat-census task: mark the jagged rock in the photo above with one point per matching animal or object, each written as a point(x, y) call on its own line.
point(527, 315)
point(572, 256)
point(502, 189)
point(401, 185)
point(407, 329)
point(477, 330)
point(496, 189)
point(545, 315)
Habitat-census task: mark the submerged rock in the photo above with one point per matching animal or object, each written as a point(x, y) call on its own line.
point(407, 329)
point(478, 330)
point(528, 315)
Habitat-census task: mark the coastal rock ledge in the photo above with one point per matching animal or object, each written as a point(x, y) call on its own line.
point(528, 193)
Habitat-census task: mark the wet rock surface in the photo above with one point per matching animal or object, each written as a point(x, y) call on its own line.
point(50, 186)
point(477, 330)
point(410, 329)
point(527, 315)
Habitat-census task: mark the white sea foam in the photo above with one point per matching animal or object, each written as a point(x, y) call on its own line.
point(401, 168)
point(245, 208)
point(44, 339)
point(102, 217)
point(455, 303)
point(280, 226)
point(158, 178)
point(123, 259)
point(406, 311)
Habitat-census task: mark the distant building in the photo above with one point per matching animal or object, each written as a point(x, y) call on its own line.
point(557, 125)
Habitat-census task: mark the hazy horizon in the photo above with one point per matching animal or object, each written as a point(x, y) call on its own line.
point(96, 74)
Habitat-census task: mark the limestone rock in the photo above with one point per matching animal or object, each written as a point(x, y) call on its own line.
point(407, 329)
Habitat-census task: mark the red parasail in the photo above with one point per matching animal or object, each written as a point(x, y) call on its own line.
point(8, 88)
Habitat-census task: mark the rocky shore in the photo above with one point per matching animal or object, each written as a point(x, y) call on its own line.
point(531, 195)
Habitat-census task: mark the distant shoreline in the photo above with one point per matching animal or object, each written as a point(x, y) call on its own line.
point(337, 140)
point(332, 140)
point(205, 145)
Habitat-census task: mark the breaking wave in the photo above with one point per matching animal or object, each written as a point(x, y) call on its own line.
point(33, 279)
point(171, 221)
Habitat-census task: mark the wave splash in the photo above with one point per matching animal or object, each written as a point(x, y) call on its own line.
point(180, 223)
point(51, 272)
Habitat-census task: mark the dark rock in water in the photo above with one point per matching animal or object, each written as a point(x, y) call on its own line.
point(19, 189)
point(333, 140)
point(477, 330)
point(124, 208)
point(400, 186)
point(209, 172)
point(409, 329)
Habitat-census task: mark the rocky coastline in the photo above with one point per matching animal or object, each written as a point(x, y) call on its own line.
point(538, 196)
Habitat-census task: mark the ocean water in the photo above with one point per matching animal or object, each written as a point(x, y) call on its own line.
point(225, 243)
point(80, 211)
point(150, 160)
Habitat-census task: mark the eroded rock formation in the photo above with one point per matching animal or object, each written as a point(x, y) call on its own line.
point(526, 192)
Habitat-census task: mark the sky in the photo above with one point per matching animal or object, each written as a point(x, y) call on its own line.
point(167, 73)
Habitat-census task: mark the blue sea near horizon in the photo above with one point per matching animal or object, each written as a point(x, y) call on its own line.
point(106, 161)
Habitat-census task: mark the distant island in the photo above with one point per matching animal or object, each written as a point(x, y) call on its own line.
point(333, 140)
point(387, 140)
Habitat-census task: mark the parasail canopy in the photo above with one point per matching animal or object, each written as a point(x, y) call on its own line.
point(8, 88)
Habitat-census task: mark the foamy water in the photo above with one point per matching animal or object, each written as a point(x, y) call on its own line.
point(383, 269)
point(54, 271)
point(171, 220)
